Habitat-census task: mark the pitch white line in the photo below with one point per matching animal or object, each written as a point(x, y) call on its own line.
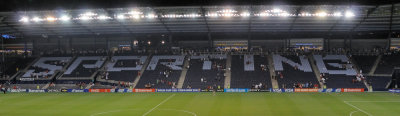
point(194, 114)
point(372, 101)
point(113, 111)
point(101, 113)
point(158, 105)
point(358, 108)
point(351, 114)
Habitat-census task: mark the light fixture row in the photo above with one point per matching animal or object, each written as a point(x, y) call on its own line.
point(221, 13)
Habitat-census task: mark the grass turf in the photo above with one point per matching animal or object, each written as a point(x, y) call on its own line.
point(200, 104)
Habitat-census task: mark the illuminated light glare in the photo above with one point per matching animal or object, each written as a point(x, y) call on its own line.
point(89, 14)
point(50, 19)
point(227, 11)
point(306, 14)
point(171, 16)
point(277, 10)
point(227, 14)
point(264, 14)
point(120, 17)
point(24, 19)
point(212, 15)
point(84, 18)
point(102, 17)
point(245, 14)
point(136, 16)
point(162, 42)
point(65, 18)
point(135, 12)
point(150, 16)
point(321, 14)
point(36, 19)
point(149, 42)
point(349, 14)
point(337, 14)
point(190, 15)
point(284, 14)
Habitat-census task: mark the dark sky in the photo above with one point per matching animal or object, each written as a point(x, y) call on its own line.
point(27, 5)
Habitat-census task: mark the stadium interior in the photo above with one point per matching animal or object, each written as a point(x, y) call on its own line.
point(203, 46)
point(240, 46)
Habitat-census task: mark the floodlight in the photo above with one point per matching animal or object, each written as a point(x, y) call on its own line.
point(150, 16)
point(227, 14)
point(51, 19)
point(102, 17)
point(245, 14)
point(65, 18)
point(321, 14)
point(193, 15)
point(212, 15)
point(120, 16)
point(37, 19)
point(135, 12)
point(136, 16)
point(24, 19)
point(284, 14)
point(349, 14)
point(264, 14)
point(276, 10)
point(84, 18)
point(89, 14)
point(337, 14)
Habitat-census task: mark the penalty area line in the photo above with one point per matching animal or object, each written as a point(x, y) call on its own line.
point(357, 108)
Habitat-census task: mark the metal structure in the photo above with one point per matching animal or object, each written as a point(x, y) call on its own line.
point(366, 19)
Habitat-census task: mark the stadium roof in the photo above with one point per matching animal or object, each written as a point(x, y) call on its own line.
point(183, 19)
point(29, 5)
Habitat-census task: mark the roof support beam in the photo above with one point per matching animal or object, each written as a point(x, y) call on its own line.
point(294, 20)
point(370, 11)
point(335, 24)
point(161, 20)
point(391, 20)
point(203, 14)
point(249, 28)
point(250, 19)
point(390, 27)
point(119, 22)
point(165, 25)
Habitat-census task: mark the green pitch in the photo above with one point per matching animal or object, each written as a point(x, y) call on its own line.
point(200, 104)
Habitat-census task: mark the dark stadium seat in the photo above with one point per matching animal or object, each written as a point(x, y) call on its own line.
point(379, 83)
point(246, 79)
point(151, 76)
point(342, 81)
point(80, 71)
point(13, 62)
point(364, 62)
point(387, 63)
point(127, 76)
point(196, 72)
point(124, 75)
